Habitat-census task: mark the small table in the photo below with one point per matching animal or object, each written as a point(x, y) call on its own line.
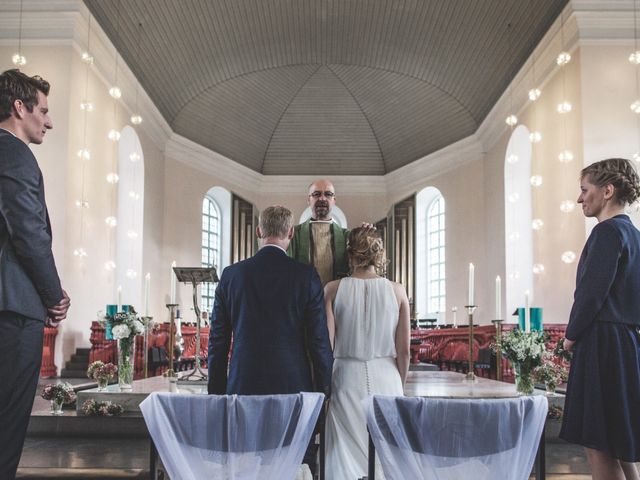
point(454, 385)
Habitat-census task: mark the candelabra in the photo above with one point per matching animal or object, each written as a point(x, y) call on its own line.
point(471, 377)
point(498, 325)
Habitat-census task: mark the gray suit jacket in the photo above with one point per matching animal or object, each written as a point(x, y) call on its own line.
point(29, 282)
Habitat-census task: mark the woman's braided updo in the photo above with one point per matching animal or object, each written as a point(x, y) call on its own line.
point(618, 172)
point(365, 248)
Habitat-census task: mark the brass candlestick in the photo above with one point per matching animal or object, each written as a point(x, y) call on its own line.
point(147, 322)
point(170, 373)
point(471, 377)
point(498, 325)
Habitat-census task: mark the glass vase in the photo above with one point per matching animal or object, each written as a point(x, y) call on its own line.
point(56, 406)
point(126, 362)
point(102, 383)
point(524, 379)
point(551, 388)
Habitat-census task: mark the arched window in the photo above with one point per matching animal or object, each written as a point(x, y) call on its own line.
point(435, 256)
point(211, 245)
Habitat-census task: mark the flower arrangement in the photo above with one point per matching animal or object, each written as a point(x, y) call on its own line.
point(524, 350)
point(555, 412)
point(105, 409)
point(560, 351)
point(124, 328)
point(102, 372)
point(550, 372)
point(60, 392)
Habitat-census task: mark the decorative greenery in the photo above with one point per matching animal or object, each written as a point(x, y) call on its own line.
point(551, 373)
point(61, 392)
point(124, 328)
point(100, 370)
point(555, 412)
point(560, 351)
point(101, 409)
point(524, 350)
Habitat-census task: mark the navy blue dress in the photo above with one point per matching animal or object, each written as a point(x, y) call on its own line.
point(602, 407)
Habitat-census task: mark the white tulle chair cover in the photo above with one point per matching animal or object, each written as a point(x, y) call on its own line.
point(252, 437)
point(452, 439)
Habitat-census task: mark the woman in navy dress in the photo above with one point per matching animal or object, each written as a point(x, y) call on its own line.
point(602, 408)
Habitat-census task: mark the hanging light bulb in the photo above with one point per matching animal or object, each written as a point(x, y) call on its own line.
point(538, 268)
point(112, 178)
point(514, 197)
point(534, 94)
point(512, 159)
point(565, 156)
point(87, 58)
point(537, 224)
point(19, 60)
point(109, 265)
point(635, 57)
point(136, 119)
point(134, 157)
point(568, 257)
point(563, 58)
point(567, 206)
point(511, 120)
point(536, 180)
point(535, 137)
point(111, 221)
point(87, 106)
point(84, 154)
point(80, 252)
point(115, 92)
point(82, 204)
point(635, 106)
point(514, 236)
point(564, 107)
point(113, 135)
point(133, 195)
point(514, 275)
point(131, 273)
point(132, 234)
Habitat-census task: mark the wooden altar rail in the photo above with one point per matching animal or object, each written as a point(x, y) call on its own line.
point(449, 347)
point(106, 350)
point(48, 367)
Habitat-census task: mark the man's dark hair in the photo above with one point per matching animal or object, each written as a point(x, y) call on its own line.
point(15, 85)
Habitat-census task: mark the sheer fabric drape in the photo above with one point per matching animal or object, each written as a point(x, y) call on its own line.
point(258, 437)
point(449, 439)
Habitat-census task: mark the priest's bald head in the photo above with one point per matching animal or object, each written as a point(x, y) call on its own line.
point(321, 199)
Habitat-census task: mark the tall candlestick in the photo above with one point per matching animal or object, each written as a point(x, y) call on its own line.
point(147, 284)
point(527, 318)
point(173, 284)
point(119, 307)
point(471, 274)
point(498, 299)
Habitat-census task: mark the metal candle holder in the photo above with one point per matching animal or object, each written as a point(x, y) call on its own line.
point(471, 377)
point(170, 373)
point(498, 325)
point(146, 320)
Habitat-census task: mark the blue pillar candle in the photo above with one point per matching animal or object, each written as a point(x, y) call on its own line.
point(535, 315)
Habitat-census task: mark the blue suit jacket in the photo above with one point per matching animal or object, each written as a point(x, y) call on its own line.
point(29, 280)
point(274, 306)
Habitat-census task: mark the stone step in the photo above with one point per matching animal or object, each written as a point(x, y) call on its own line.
point(76, 366)
point(71, 373)
point(83, 351)
point(80, 357)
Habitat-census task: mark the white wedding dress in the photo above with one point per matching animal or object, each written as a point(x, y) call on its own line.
point(366, 318)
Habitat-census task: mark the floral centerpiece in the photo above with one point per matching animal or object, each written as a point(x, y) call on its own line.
point(105, 409)
point(561, 352)
point(102, 372)
point(59, 394)
point(124, 328)
point(524, 350)
point(550, 372)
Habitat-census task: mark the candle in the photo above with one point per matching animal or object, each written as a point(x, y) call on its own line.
point(173, 284)
point(455, 317)
point(147, 284)
point(471, 272)
point(119, 306)
point(498, 299)
point(527, 319)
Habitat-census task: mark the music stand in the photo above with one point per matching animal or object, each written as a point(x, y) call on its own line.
point(195, 276)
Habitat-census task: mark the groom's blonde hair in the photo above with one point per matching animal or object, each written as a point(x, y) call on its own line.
point(275, 222)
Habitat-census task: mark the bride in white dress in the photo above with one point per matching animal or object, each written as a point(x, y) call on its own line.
point(368, 320)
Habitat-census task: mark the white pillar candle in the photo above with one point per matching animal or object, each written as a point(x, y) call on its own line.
point(527, 319)
point(119, 306)
point(471, 274)
point(498, 298)
point(147, 284)
point(173, 284)
point(455, 316)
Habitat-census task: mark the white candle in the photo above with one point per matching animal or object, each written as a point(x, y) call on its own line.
point(455, 316)
point(498, 299)
point(173, 284)
point(527, 319)
point(471, 272)
point(119, 307)
point(147, 284)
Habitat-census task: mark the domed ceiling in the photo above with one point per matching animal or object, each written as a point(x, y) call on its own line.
point(315, 87)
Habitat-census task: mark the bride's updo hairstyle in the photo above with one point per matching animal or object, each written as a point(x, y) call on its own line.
point(365, 248)
point(618, 172)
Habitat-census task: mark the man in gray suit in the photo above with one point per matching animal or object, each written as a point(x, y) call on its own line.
point(30, 291)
